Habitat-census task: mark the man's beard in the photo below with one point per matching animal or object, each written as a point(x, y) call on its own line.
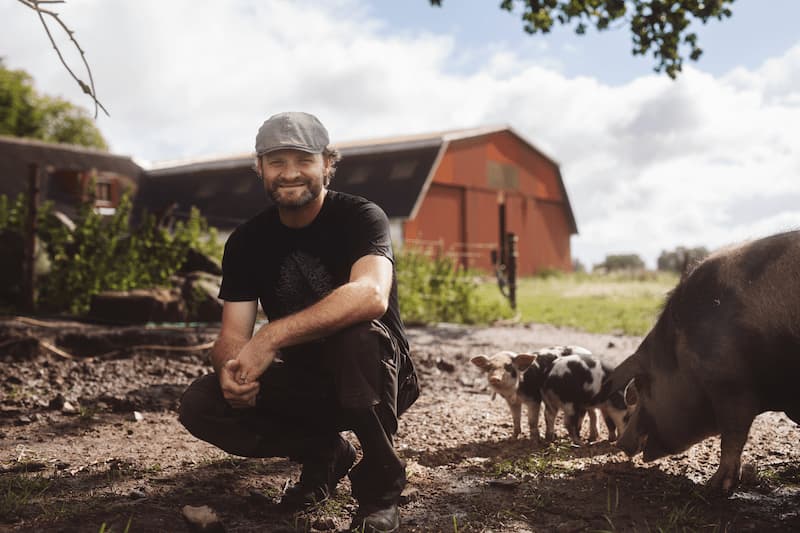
point(312, 191)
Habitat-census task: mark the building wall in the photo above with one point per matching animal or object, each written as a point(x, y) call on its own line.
point(461, 207)
point(439, 223)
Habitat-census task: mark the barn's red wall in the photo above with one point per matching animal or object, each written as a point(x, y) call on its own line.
point(460, 206)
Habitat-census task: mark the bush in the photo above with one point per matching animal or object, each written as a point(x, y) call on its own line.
point(102, 253)
point(436, 289)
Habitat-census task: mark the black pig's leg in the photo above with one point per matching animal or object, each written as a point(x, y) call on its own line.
point(734, 418)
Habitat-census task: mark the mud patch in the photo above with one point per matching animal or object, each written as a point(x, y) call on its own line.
point(99, 465)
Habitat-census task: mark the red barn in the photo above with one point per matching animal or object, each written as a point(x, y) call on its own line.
point(439, 187)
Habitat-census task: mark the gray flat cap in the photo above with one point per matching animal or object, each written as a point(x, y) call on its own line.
point(292, 130)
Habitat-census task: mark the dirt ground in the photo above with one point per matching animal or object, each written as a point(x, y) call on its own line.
point(89, 441)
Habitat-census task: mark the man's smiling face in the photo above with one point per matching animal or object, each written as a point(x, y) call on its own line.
point(293, 178)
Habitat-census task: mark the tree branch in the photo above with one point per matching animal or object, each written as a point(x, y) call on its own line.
point(89, 89)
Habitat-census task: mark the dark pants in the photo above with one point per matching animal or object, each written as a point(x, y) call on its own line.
point(304, 398)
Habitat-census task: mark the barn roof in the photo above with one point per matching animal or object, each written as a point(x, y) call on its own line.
point(394, 172)
point(16, 155)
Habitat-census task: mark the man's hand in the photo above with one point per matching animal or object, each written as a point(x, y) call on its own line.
point(252, 362)
point(237, 394)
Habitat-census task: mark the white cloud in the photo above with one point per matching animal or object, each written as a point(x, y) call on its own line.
point(649, 165)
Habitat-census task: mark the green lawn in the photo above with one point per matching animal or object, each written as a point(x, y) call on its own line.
point(613, 303)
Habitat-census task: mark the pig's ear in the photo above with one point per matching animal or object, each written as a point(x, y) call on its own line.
point(631, 394)
point(481, 361)
point(523, 361)
point(621, 376)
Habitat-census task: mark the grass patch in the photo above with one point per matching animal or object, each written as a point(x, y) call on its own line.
point(19, 490)
point(787, 474)
point(610, 303)
point(109, 529)
point(686, 518)
point(543, 464)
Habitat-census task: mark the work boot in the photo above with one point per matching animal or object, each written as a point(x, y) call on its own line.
point(377, 489)
point(319, 477)
point(371, 519)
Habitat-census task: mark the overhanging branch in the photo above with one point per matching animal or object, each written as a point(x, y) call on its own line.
point(89, 89)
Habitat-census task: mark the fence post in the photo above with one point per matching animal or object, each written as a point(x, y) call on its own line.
point(29, 261)
point(501, 216)
point(512, 269)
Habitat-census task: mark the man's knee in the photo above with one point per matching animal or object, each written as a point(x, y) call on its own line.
point(199, 400)
point(362, 343)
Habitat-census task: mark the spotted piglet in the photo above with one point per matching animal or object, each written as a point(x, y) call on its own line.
point(571, 384)
point(518, 378)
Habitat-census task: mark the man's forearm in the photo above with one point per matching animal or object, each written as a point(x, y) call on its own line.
point(349, 304)
point(225, 349)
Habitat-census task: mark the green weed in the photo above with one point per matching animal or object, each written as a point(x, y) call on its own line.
point(19, 490)
point(547, 463)
point(111, 529)
point(155, 468)
point(87, 412)
point(786, 475)
point(612, 506)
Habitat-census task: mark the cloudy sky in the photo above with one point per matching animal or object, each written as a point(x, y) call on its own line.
point(649, 163)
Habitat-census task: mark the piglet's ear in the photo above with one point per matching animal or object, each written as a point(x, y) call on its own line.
point(523, 361)
point(631, 394)
point(481, 361)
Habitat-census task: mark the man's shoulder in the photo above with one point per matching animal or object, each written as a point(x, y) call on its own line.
point(346, 202)
point(256, 224)
point(346, 199)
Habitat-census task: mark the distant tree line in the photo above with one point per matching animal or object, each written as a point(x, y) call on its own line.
point(681, 259)
point(616, 262)
point(678, 260)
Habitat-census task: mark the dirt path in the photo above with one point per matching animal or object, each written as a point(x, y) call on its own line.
point(104, 464)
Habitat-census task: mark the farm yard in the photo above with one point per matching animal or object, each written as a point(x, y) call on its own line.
point(90, 442)
point(474, 178)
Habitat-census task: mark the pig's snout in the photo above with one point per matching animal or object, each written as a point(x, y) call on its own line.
point(631, 442)
point(495, 380)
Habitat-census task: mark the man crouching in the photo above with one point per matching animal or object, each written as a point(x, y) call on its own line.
point(334, 354)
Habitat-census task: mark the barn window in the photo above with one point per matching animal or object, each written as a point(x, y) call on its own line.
point(358, 175)
point(403, 169)
point(102, 193)
point(502, 176)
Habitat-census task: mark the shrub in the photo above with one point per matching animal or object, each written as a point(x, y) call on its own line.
point(436, 289)
point(102, 253)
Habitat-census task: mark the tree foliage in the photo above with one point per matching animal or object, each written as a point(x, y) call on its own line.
point(657, 26)
point(26, 113)
point(621, 262)
point(681, 258)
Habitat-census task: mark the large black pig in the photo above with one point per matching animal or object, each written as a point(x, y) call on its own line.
point(725, 348)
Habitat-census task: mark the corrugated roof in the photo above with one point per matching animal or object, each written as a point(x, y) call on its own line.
point(354, 147)
point(16, 154)
point(395, 172)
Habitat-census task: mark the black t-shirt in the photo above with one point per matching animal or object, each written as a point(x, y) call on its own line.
point(289, 269)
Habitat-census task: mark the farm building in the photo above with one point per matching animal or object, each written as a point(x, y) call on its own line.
point(440, 189)
point(65, 173)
